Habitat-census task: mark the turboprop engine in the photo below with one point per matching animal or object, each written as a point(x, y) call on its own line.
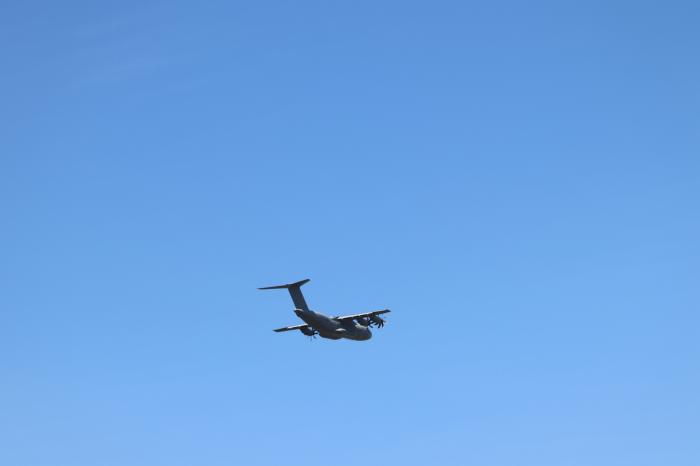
point(308, 331)
point(364, 321)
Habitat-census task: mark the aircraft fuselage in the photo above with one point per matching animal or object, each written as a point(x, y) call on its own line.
point(328, 327)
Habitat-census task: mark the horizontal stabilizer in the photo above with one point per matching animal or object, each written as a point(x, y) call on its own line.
point(290, 285)
point(294, 291)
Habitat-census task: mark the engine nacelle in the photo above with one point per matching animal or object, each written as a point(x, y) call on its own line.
point(364, 321)
point(308, 331)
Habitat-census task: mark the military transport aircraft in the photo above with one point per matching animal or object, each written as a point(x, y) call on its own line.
point(352, 327)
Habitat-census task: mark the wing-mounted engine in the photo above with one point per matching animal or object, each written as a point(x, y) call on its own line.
point(376, 320)
point(364, 321)
point(308, 331)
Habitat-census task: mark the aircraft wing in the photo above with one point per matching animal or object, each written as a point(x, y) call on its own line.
point(293, 327)
point(365, 315)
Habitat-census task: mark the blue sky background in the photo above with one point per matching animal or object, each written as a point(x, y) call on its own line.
point(518, 181)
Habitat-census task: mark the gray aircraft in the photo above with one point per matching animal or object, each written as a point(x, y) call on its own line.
point(352, 327)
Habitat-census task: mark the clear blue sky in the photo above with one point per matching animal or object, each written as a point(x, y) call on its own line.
point(518, 181)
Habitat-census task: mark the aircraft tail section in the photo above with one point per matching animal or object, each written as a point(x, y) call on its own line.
point(294, 291)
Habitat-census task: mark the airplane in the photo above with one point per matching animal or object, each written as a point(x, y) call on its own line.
point(353, 327)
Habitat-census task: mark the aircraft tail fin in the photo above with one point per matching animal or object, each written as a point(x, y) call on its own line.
point(294, 292)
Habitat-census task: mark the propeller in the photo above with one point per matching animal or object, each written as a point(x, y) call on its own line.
point(376, 320)
point(309, 332)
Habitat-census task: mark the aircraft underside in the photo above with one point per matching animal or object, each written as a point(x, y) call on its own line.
point(352, 327)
